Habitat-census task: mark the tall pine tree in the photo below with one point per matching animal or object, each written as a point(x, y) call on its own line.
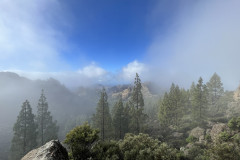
point(118, 119)
point(25, 133)
point(126, 118)
point(102, 118)
point(216, 91)
point(47, 129)
point(172, 107)
point(137, 102)
point(199, 100)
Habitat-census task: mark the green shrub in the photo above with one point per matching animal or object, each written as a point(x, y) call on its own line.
point(143, 147)
point(191, 139)
point(234, 123)
point(80, 141)
point(224, 136)
point(106, 150)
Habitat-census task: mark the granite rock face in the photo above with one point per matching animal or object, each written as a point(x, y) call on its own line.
point(52, 150)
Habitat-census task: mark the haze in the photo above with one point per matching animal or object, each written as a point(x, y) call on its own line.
point(179, 41)
point(73, 48)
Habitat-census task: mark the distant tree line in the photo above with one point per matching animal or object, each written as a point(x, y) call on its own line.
point(31, 131)
point(201, 101)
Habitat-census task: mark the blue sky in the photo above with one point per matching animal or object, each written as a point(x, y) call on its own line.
point(84, 42)
point(114, 33)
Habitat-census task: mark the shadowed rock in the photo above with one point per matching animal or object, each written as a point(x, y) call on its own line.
point(52, 150)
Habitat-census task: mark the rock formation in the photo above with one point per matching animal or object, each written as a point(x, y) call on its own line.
point(52, 150)
point(197, 132)
point(217, 129)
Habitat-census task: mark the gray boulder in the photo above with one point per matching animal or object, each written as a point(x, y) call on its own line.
point(197, 132)
point(52, 150)
point(217, 129)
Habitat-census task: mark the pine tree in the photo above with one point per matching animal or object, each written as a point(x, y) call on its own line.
point(102, 118)
point(25, 133)
point(126, 118)
point(137, 102)
point(164, 110)
point(216, 91)
point(172, 106)
point(47, 129)
point(118, 119)
point(199, 100)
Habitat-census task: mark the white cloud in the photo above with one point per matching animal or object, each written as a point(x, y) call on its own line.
point(88, 75)
point(203, 39)
point(128, 72)
point(92, 71)
point(29, 37)
point(91, 74)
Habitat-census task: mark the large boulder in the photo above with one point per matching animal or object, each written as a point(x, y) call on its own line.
point(197, 132)
point(217, 129)
point(52, 150)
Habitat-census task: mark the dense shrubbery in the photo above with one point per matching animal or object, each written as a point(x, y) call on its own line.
point(180, 111)
point(83, 144)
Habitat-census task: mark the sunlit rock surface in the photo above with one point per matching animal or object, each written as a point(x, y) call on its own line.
point(52, 150)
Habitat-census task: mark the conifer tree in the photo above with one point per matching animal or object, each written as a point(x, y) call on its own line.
point(25, 133)
point(172, 106)
point(47, 128)
point(102, 118)
point(164, 110)
point(216, 91)
point(199, 100)
point(137, 102)
point(118, 119)
point(126, 118)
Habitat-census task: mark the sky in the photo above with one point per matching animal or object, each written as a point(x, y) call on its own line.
point(83, 42)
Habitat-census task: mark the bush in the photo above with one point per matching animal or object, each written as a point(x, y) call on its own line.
point(224, 136)
point(195, 152)
point(191, 139)
point(143, 147)
point(106, 150)
point(80, 141)
point(234, 123)
point(223, 151)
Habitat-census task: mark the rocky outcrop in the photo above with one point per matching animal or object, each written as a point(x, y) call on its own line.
point(217, 129)
point(52, 150)
point(197, 132)
point(236, 95)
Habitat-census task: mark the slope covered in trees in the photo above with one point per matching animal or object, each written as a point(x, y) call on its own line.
point(181, 121)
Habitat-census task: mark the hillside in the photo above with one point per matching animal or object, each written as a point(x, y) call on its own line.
point(65, 105)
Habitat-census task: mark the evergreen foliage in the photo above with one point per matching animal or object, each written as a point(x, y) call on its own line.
point(234, 123)
point(126, 118)
point(216, 91)
point(142, 147)
point(47, 129)
point(25, 134)
point(137, 103)
point(102, 119)
point(106, 150)
point(199, 100)
point(118, 119)
point(80, 141)
point(172, 107)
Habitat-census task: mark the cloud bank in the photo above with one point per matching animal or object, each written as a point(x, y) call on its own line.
point(30, 38)
point(91, 74)
point(203, 38)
